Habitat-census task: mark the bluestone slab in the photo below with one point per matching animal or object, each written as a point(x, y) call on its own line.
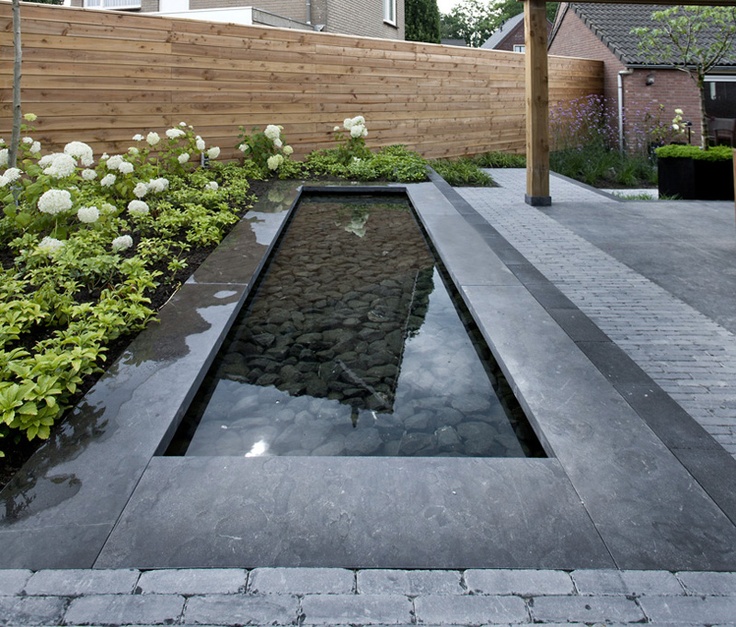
point(354, 513)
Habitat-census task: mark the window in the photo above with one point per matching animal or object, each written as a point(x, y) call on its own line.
point(389, 11)
point(519, 47)
point(720, 96)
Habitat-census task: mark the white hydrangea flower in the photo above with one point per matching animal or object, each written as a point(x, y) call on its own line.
point(49, 245)
point(126, 168)
point(678, 111)
point(212, 185)
point(35, 148)
point(122, 243)
point(9, 176)
point(89, 175)
point(153, 138)
point(213, 152)
point(274, 162)
point(108, 181)
point(244, 147)
point(358, 131)
point(3, 157)
point(337, 128)
point(183, 157)
point(30, 117)
point(158, 185)
point(81, 151)
point(278, 143)
point(106, 207)
point(347, 123)
point(27, 140)
point(138, 208)
point(88, 215)
point(55, 201)
point(175, 133)
point(200, 144)
point(133, 151)
point(113, 163)
point(182, 123)
point(58, 165)
point(272, 131)
point(140, 190)
point(138, 137)
point(288, 150)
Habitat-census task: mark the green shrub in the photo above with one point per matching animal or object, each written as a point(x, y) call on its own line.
point(462, 172)
point(500, 160)
point(87, 246)
point(716, 153)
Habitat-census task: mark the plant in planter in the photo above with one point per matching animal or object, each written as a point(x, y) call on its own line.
point(695, 174)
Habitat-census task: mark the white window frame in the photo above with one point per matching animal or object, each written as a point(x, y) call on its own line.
point(389, 12)
point(519, 48)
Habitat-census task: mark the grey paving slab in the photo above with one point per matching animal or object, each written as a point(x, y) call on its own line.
point(520, 582)
point(118, 609)
point(365, 609)
point(610, 455)
point(27, 611)
point(470, 610)
point(708, 610)
point(410, 582)
point(13, 581)
point(193, 581)
point(74, 583)
point(586, 609)
point(355, 513)
point(709, 583)
point(230, 609)
point(301, 581)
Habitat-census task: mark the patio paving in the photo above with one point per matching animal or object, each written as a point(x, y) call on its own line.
point(630, 519)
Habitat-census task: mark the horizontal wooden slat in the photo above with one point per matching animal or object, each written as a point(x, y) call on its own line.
point(103, 76)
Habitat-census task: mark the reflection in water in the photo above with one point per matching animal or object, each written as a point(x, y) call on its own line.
point(352, 346)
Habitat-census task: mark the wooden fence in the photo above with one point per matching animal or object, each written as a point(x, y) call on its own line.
point(101, 77)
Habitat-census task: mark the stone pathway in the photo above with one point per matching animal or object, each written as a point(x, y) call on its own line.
point(322, 596)
point(688, 354)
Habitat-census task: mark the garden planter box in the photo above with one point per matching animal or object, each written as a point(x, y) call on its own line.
point(696, 179)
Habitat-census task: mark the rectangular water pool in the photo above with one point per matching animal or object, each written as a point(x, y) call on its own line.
point(354, 344)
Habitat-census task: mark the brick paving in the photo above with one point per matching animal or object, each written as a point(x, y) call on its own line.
point(689, 355)
point(333, 596)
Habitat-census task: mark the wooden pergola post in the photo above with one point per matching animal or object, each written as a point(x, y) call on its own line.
point(537, 91)
point(537, 104)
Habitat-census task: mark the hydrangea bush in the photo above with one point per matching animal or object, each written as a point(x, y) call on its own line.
point(267, 149)
point(86, 241)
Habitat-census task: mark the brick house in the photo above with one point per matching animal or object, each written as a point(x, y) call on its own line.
point(510, 35)
point(363, 18)
point(636, 86)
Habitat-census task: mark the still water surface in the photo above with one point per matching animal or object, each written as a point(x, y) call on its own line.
point(352, 345)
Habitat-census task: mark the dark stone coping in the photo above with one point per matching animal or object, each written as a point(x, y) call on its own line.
point(611, 494)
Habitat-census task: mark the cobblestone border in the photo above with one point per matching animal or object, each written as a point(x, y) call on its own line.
point(332, 596)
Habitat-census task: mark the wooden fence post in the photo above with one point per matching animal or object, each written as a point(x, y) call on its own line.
point(537, 104)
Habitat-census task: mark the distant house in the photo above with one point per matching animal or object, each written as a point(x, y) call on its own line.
point(365, 18)
point(510, 36)
point(634, 84)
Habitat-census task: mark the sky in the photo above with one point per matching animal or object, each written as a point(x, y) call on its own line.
point(445, 6)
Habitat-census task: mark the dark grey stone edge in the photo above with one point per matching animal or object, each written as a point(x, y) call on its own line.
point(703, 457)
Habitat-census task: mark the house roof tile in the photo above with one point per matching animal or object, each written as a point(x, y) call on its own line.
point(613, 23)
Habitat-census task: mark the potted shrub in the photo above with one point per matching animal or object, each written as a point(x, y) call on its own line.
point(695, 174)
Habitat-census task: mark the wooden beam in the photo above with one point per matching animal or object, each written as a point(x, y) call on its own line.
point(537, 104)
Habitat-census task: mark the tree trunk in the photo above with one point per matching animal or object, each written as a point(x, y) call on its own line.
point(17, 117)
point(703, 117)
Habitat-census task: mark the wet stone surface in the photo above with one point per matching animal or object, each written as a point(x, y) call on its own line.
point(352, 346)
